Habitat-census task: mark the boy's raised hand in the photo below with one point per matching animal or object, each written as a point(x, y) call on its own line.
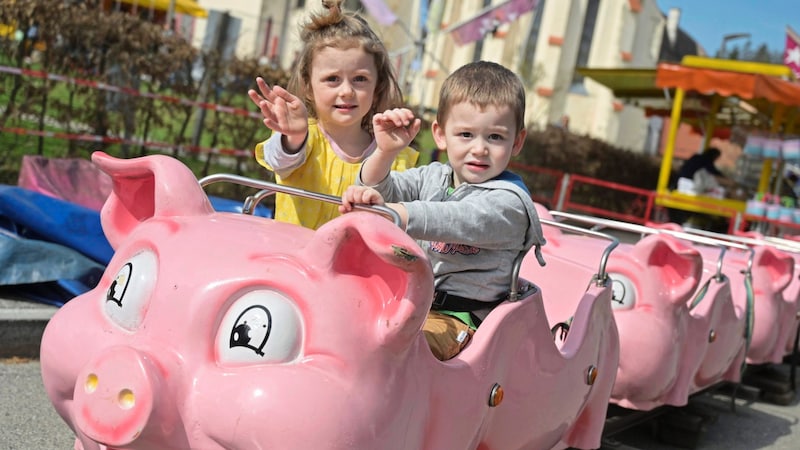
point(283, 112)
point(394, 129)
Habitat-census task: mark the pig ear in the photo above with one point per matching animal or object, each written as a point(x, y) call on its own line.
point(679, 266)
point(370, 247)
point(664, 226)
point(779, 266)
point(542, 211)
point(552, 234)
point(146, 187)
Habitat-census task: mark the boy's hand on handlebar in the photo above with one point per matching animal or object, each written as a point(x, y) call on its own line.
point(359, 195)
point(395, 129)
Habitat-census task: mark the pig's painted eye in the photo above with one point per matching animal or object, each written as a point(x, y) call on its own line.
point(261, 326)
point(129, 294)
point(623, 292)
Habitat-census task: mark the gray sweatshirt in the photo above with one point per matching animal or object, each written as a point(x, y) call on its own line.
point(471, 235)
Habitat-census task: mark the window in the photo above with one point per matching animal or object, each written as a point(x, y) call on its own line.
point(528, 58)
point(353, 5)
point(589, 21)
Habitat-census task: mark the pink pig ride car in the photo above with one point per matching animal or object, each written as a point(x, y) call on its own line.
point(791, 293)
point(759, 274)
point(217, 330)
point(775, 314)
point(675, 339)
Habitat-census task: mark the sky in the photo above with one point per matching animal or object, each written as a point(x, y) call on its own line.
point(707, 21)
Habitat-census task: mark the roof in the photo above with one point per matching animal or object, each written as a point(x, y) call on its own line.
point(626, 82)
point(729, 83)
point(751, 90)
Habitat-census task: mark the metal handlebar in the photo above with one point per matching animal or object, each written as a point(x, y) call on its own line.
point(601, 271)
point(711, 239)
point(268, 188)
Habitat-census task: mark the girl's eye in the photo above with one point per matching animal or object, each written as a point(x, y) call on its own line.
point(495, 137)
point(332, 79)
point(465, 134)
point(360, 79)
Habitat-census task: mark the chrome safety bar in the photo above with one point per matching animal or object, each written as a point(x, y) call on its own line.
point(268, 188)
point(714, 240)
point(601, 271)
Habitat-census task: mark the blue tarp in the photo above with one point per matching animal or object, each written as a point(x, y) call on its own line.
point(52, 250)
point(36, 216)
point(44, 271)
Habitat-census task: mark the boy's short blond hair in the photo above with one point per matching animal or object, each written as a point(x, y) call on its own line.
point(483, 83)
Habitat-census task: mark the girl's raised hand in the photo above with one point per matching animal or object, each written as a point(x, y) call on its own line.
point(283, 112)
point(394, 129)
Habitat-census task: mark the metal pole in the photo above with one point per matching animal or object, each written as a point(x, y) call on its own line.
point(562, 193)
point(170, 14)
point(284, 32)
point(730, 37)
point(210, 76)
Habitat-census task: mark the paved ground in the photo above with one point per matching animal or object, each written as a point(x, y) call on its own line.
point(28, 421)
point(752, 425)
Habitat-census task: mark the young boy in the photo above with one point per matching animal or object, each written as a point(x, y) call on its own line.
point(473, 216)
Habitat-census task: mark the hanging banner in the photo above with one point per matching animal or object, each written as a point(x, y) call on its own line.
point(380, 11)
point(488, 20)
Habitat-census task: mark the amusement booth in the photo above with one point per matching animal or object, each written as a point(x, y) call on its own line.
point(712, 94)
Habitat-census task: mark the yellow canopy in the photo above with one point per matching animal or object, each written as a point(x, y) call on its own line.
point(718, 92)
point(189, 7)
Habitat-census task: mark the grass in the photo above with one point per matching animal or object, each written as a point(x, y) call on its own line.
point(13, 147)
point(425, 145)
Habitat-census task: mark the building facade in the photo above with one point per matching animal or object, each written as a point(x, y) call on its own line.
point(544, 45)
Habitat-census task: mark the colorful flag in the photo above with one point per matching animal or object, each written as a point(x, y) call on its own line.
point(488, 20)
point(380, 11)
point(791, 55)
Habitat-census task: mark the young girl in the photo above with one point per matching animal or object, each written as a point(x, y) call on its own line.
point(323, 124)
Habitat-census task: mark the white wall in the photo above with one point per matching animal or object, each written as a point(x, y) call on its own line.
point(248, 11)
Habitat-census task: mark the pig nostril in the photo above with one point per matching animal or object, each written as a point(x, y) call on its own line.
point(91, 383)
point(126, 399)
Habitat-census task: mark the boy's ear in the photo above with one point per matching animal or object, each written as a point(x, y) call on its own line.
point(438, 135)
point(518, 141)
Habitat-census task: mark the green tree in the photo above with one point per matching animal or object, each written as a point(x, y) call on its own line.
point(745, 52)
point(152, 94)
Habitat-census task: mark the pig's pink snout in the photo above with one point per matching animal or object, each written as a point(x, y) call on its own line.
point(114, 396)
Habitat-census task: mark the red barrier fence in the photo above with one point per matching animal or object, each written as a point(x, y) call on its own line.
point(117, 140)
point(128, 91)
point(639, 211)
point(135, 93)
point(553, 188)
